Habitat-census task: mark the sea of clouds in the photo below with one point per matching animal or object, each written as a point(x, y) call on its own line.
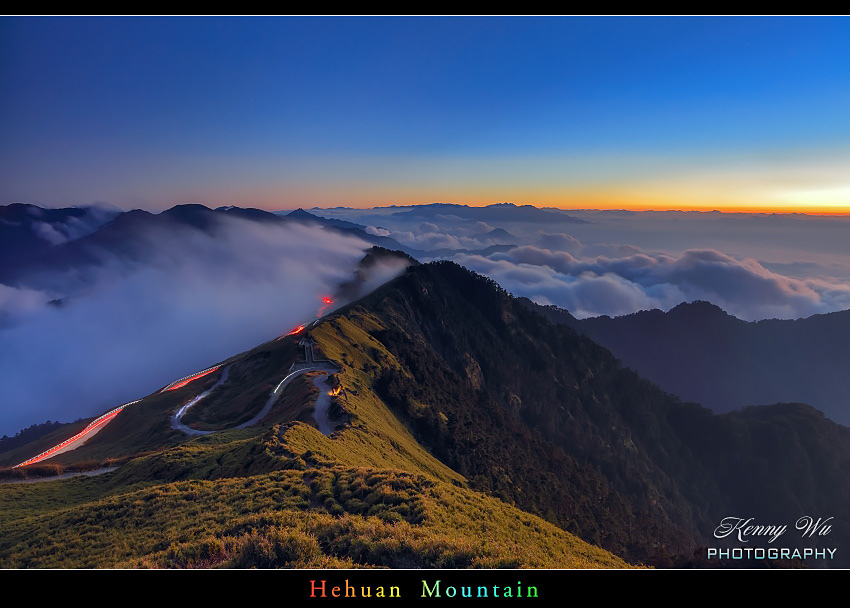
point(754, 267)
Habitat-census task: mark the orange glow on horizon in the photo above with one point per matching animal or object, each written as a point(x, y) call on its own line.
point(577, 204)
point(704, 195)
point(747, 209)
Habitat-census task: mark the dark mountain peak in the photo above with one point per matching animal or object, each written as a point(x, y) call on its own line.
point(134, 214)
point(250, 213)
point(188, 210)
point(698, 307)
point(376, 254)
point(16, 212)
point(25, 212)
point(187, 207)
point(701, 353)
point(198, 216)
point(376, 259)
point(300, 214)
point(500, 233)
point(127, 221)
point(360, 229)
point(699, 314)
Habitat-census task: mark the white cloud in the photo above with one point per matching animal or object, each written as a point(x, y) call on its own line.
point(616, 286)
point(197, 299)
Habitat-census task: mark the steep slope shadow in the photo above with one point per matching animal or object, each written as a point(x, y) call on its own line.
point(544, 418)
point(699, 352)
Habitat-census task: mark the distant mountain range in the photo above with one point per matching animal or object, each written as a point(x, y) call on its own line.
point(28, 230)
point(499, 212)
point(28, 258)
point(700, 353)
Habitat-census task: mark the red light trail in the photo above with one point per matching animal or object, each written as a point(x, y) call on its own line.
point(295, 331)
point(94, 425)
point(184, 381)
point(106, 418)
point(327, 302)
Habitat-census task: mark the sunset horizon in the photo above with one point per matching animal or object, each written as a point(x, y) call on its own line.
point(729, 113)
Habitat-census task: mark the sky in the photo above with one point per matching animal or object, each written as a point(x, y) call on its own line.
point(572, 112)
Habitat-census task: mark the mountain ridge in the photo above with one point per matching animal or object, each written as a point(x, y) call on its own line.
point(701, 353)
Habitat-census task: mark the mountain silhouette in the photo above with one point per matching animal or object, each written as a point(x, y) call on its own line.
point(701, 353)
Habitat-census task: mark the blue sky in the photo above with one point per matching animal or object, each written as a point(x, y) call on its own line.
point(286, 112)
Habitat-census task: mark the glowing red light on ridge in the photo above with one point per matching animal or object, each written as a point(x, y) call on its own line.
point(297, 330)
point(93, 425)
point(184, 381)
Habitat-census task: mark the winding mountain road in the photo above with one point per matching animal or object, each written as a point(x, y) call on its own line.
point(178, 415)
point(296, 369)
point(72, 443)
point(313, 367)
point(310, 365)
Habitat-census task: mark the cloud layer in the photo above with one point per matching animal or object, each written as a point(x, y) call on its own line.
point(627, 279)
point(196, 299)
point(756, 266)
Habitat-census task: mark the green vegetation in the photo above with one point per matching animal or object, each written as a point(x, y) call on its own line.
point(290, 516)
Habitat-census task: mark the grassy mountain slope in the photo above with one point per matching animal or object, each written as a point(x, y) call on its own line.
point(280, 494)
point(243, 499)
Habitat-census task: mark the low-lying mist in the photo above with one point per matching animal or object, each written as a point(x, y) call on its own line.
point(196, 298)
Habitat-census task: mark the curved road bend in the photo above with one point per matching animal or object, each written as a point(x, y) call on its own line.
point(301, 368)
point(176, 423)
point(308, 367)
point(178, 415)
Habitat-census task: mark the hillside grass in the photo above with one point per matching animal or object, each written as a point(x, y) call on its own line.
point(336, 517)
point(287, 496)
point(374, 436)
